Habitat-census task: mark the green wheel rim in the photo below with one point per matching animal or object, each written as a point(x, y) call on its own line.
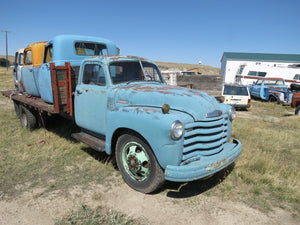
point(136, 161)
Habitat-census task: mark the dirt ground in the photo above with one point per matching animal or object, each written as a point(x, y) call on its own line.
point(36, 208)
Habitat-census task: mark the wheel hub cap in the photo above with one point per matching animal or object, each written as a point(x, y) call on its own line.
point(133, 163)
point(136, 161)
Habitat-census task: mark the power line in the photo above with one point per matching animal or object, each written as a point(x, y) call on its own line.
point(6, 31)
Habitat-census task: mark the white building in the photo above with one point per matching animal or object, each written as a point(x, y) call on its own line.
point(245, 68)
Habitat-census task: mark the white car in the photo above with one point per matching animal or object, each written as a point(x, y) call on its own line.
point(236, 95)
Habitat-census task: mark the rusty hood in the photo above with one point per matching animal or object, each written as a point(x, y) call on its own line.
point(194, 102)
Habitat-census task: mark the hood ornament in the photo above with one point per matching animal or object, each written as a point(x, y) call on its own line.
point(215, 113)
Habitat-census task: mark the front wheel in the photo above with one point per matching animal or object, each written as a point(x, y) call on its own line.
point(137, 164)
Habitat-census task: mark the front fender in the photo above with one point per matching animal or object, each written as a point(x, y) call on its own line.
point(153, 126)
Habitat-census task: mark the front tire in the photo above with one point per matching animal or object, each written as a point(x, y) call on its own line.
point(137, 164)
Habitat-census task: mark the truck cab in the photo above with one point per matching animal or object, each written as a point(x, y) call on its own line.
point(17, 75)
point(157, 132)
point(36, 73)
point(33, 58)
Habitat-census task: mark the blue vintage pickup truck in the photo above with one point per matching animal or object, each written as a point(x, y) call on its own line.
point(271, 89)
point(124, 107)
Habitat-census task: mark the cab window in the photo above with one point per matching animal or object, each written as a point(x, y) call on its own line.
point(28, 58)
point(90, 49)
point(48, 53)
point(93, 74)
point(21, 59)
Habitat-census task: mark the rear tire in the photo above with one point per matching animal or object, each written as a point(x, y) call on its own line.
point(17, 109)
point(137, 164)
point(297, 111)
point(272, 99)
point(28, 118)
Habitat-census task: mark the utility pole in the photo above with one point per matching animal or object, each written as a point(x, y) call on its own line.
point(6, 31)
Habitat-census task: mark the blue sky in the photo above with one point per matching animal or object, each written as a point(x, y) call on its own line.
point(170, 31)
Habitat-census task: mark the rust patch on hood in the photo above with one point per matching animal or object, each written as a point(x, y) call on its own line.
point(165, 90)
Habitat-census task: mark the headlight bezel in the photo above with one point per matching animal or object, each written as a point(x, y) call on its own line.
point(177, 130)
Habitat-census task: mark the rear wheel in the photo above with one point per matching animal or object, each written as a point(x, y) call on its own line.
point(297, 111)
point(17, 109)
point(137, 164)
point(28, 118)
point(272, 99)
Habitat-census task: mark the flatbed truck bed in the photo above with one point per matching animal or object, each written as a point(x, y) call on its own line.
point(29, 100)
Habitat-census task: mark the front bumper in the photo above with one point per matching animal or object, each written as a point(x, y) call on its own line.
point(207, 165)
point(237, 106)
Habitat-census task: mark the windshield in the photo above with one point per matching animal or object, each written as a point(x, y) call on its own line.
point(274, 82)
point(259, 82)
point(235, 90)
point(127, 71)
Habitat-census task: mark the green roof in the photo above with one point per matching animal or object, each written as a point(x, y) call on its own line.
point(262, 56)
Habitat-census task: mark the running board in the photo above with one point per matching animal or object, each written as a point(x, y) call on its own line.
point(92, 141)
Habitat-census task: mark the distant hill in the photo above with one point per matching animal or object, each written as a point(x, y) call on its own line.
point(203, 69)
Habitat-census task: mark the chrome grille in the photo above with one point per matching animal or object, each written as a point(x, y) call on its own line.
point(204, 138)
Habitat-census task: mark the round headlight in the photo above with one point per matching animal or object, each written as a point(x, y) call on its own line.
point(232, 114)
point(176, 130)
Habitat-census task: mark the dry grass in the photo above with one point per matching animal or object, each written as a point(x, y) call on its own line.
point(26, 161)
point(267, 172)
point(99, 215)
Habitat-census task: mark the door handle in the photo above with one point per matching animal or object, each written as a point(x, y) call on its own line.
point(79, 92)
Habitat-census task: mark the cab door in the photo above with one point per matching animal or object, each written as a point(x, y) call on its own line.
point(17, 69)
point(91, 99)
point(256, 88)
point(44, 80)
point(29, 75)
